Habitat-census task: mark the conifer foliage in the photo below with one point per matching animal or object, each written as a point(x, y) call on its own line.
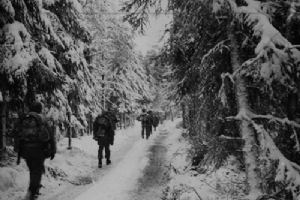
point(236, 65)
point(57, 51)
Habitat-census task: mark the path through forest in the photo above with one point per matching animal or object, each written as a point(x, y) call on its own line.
point(155, 175)
point(139, 171)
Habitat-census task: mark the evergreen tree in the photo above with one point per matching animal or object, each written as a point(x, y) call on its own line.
point(236, 60)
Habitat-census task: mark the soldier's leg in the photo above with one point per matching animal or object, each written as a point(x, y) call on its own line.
point(107, 154)
point(30, 168)
point(147, 132)
point(36, 169)
point(100, 156)
point(143, 131)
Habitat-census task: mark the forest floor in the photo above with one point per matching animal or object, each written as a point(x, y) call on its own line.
point(154, 169)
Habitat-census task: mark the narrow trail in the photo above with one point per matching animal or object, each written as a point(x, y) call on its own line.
point(139, 171)
point(155, 175)
point(72, 191)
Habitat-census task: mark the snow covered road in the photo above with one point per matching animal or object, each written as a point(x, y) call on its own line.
point(124, 141)
point(138, 169)
point(137, 176)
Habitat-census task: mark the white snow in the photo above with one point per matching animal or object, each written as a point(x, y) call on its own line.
point(6, 4)
point(225, 183)
point(69, 165)
point(122, 179)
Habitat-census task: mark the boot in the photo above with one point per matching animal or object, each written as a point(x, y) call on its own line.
point(33, 195)
point(108, 161)
point(100, 164)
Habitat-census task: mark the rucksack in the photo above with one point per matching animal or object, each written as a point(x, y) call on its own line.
point(155, 121)
point(103, 124)
point(143, 118)
point(33, 129)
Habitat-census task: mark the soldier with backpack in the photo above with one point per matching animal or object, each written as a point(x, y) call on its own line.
point(146, 120)
point(143, 119)
point(103, 132)
point(155, 121)
point(35, 141)
point(149, 122)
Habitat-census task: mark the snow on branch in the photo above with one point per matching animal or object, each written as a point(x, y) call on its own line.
point(230, 138)
point(287, 171)
point(273, 48)
point(247, 115)
point(7, 7)
point(213, 50)
point(277, 119)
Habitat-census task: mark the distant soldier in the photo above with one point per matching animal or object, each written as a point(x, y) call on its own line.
point(143, 119)
point(35, 141)
point(149, 123)
point(155, 121)
point(104, 132)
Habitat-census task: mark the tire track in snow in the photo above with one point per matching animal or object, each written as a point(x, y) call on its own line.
point(156, 173)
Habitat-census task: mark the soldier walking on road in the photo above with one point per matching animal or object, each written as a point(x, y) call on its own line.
point(155, 121)
point(146, 120)
point(143, 119)
point(35, 141)
point(149, 123)
point(104, 132)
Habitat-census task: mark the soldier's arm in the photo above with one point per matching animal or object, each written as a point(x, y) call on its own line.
point(53, 140)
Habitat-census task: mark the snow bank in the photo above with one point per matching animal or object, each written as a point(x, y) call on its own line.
point(14, 181)
point(186, 184)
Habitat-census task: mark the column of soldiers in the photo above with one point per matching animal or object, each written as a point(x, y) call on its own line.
point(35, 140)
point(149, 121)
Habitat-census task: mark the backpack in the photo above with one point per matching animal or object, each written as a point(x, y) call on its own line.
point(103, 125)
point(143, 118)
point(155, 121)
point(32, 128)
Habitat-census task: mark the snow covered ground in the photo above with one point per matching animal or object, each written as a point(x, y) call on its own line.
point(124, 180)
point(69, 167)
point(225, 183)
point(158, 168)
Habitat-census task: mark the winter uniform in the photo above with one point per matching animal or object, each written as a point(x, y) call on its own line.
point(155, 121)
point(146, 121)
point(149, 123)
point(35, 141)
point(104, 132)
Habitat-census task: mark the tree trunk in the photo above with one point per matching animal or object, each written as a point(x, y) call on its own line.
point(250, 148)
point(183, 114)
point(3, 124)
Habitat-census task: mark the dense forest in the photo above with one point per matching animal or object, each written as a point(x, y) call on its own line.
point(235, 67)
point(73, 56)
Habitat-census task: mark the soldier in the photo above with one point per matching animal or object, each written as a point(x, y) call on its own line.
point(143, 119)
point(155, 121)
point(149, 123)
point(35, 141)
point(104, 132)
